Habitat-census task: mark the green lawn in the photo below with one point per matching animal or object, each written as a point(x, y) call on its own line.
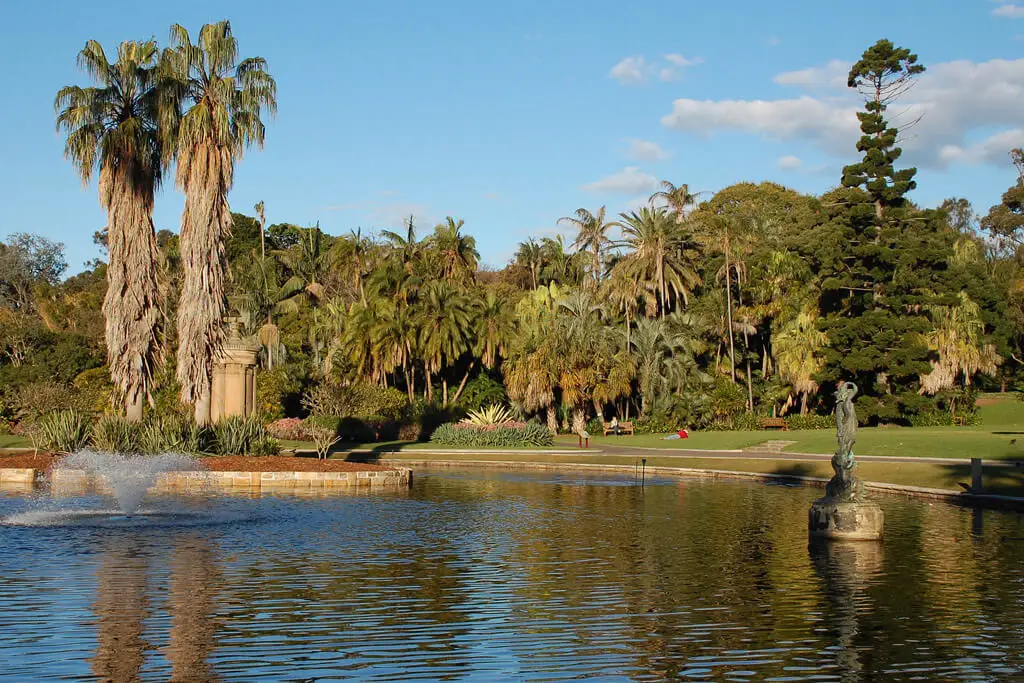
point(999, 437)
point(12, 441)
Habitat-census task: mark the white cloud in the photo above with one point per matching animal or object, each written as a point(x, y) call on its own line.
point(630, 71)
point(832, 75)
point(952, 100)
point(772, 41)
point(643, 150)
point(790, 163)
point(629, 181)
point(803, 118)
point(992, 150)
point(1009, 11)
point(636, 69)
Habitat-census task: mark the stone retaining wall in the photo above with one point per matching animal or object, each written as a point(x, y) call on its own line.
point(400, 477)
point(10, 475)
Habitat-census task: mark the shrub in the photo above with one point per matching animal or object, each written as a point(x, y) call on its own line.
point(289, 429)
point(63, 431)
point(35, 400)
point(114, 434)
point(237, 435)
point(482, 390)
point(171, 434)
point(507, 436)
point(359, 429)
point(96, 391)
point(811, 421)
point(275, 389)
point(657, 423)
point(358, 399)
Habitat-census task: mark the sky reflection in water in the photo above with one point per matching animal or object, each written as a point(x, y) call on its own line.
point(483, 575)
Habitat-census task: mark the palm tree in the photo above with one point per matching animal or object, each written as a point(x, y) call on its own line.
point(263, 228)
point(308, 262)
point(660, 255)
point(679, 199)
point(592, 236)
point(495, 328)
point(116, 128)
point(444, 331)
point(459, 257)
point(224, 99)
point(797, 347)
point(530, 255)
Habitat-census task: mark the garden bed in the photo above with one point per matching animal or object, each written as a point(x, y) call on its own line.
point(234, 463)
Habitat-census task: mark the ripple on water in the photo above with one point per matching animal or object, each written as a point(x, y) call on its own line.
point(489, 577)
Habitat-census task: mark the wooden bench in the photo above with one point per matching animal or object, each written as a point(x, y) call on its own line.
point(623, 428)
point(774, 423)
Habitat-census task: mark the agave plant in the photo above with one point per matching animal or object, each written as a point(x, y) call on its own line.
point(492, 415)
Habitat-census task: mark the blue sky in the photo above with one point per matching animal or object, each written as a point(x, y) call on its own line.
point(510, 115)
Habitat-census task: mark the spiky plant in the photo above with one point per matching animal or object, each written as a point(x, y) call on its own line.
point(222, 100)
point(491, 415)
point(116, 128)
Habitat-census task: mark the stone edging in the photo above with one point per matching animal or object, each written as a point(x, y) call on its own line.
point(982, 500)
point(400, 477)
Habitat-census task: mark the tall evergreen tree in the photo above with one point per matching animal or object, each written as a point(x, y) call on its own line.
point(885, 261)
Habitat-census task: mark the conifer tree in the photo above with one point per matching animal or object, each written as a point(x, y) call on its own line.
point(886, 259)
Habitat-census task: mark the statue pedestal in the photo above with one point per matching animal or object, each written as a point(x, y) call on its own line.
point(845, 521)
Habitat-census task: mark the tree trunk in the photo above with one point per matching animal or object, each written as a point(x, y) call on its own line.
point(803, 403)
point(728, 301)
point(750, 386)
point(430, 386)
point(444, 391)
point(552, 419)
point(410, 375)
point(202, 409)
point(133, 408)
point(462, 384)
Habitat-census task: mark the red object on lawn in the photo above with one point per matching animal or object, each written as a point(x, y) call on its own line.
point(683, 433)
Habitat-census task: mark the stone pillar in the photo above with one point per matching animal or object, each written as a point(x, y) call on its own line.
point(234, 379)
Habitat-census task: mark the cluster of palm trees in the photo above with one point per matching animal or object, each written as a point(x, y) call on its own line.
point(195, 106)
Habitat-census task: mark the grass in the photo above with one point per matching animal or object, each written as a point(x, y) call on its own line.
point(1003, 480)
point(14, 441)
point(1000, 436)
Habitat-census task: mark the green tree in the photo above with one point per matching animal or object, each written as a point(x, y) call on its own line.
point(223, 100)
point(116, 127)
point(660, 256)
point(591, 236)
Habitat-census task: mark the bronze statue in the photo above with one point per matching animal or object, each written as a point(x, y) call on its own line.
point(844, 486)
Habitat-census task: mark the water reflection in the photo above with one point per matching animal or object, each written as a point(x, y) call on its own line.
point(512, 576)
point(121, 607)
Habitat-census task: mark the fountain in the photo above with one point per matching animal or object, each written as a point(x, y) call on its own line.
point(126, 478)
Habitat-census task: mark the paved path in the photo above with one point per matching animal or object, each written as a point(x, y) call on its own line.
point(640, 451)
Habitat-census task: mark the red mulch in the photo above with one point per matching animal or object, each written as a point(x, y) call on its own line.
point(235, 463)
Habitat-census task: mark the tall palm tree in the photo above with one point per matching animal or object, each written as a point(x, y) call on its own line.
point(459, 257)
point(263, 227)
point(116, 128)
point(592, 235)
point(224, 99)
point(530, 255)
point(679, 199)
point(308, 261)
point(444, 331)
point(660, 255)
point(797, 353)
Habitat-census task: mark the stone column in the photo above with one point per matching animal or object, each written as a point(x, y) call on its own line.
point(234, 379)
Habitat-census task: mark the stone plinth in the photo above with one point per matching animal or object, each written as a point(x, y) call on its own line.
point(846, 521)
point(234, 380)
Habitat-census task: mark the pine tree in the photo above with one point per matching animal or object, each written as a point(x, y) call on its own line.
point(886, 259)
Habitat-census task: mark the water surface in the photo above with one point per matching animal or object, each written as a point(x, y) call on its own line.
point(484, 576)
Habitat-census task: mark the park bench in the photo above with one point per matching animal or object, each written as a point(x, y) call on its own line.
point(623, 428)
point(774, 423)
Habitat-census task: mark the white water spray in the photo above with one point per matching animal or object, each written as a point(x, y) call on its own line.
point(128, 476)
